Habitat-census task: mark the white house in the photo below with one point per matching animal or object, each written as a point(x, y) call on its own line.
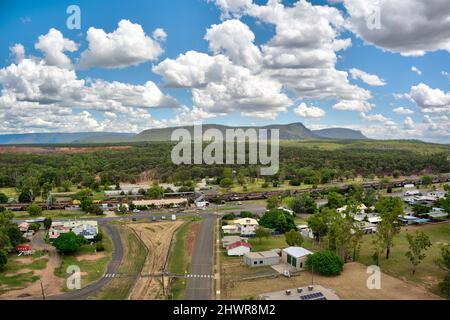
point(361, 209)
point(295, 256)
point(244, 226)
point(87, 229)
point(227, 240)
point(238, 248)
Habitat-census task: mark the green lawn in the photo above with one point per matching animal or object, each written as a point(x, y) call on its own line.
point(119, 288)
point(9, 192)
point(54, 214)
point(277, 242)
point(398, 265)
point(91, 270)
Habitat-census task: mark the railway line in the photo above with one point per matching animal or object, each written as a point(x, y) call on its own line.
point(242, 196)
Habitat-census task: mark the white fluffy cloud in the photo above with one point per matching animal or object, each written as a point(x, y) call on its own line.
point(309, 112)
point(403, 110)
point(302, 54)
point(53, 45)
point(128, 45)
point(410, 27)
point(18, 52)
point(370, 79)
point(416, 70)
point(373, 117)
point(235, 39)
point(221, 87)
point(408, 123)
point(430, 100)
point(353, 105)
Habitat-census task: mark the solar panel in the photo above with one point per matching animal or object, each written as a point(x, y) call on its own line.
point(313, 296)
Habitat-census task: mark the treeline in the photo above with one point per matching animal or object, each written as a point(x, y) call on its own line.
point(152, 161)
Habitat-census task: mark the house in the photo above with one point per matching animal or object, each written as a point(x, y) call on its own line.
point(305, 231)
point(238, 248)
point(230, 229)
point(227, 240)
point(412, 193)
point(246, 227)
point(295, 256)
point(361, 209)
point(436, 194)
point(262, 258)
point(23, 227)
point(87, 229)
point(408, 220)
point(436, 214)
point(368, 227)
point(374, 219)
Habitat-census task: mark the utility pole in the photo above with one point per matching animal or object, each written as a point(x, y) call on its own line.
point(42, 289)
point(312, 275)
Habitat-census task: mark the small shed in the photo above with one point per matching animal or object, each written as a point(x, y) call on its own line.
point(262, 258)
point(295, 256)
point(238, 248)
point(227, 240)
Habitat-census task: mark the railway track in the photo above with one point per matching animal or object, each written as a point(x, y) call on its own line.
point(242, 196)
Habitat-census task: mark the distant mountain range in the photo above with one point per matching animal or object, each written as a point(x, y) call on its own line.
point(63, 138)
point(293, 131)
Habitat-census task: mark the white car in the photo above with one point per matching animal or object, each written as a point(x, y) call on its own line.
point(136, 211)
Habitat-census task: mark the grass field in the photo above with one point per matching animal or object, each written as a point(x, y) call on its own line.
point(428, 273)
point(54, 214)
point(135, 253)
point(92, 265)
point(11, 276)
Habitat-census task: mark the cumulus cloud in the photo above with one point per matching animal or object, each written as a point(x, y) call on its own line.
point(430, 100)
point(402, 110)
point(18, 52)
point(235, 40)
point(416, 70)
point(128, 45)
point(221, 87)
point(309, 112)
point(39, 97)
point(410, 27)
point(302, 54)
point(408, 123)
point(373, 117)
point(53, 45)
point(353, 105)
point(370, 79)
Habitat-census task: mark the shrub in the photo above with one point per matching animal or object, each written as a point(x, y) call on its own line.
point(34, 210)
point(69, 242)
point(326, 263)
point(99, 247)
point(3, 259)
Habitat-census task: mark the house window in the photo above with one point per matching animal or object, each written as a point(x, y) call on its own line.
point(261, 262)
point(289, 259)
point(294, 262)
point(301, 265)
point(255, 262)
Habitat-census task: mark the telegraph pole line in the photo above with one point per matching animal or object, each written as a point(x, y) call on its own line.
point(42, 289)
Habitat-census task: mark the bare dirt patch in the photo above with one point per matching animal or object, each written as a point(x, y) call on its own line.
point(350, 285)
point(51, 283)
point(91, 256)
point(51, 150)
point(157, 238)
point(191, 237)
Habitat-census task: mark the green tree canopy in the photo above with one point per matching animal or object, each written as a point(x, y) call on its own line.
point(278, 220)
point(293, 238)
point(304, 204)
point(68, 242)
point(326, 263)
point(34, 210)
point(418, 244)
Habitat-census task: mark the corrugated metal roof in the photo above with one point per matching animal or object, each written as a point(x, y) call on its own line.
point(297, 252)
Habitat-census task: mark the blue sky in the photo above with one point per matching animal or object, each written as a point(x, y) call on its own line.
point(186, 22)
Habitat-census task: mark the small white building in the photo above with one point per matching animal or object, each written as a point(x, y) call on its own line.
point(412, 193)
point(238, 248)
point(262, 258)
point(295, 256)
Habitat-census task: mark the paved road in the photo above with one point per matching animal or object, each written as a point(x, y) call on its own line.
point(200, 288)
point(95, 287)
